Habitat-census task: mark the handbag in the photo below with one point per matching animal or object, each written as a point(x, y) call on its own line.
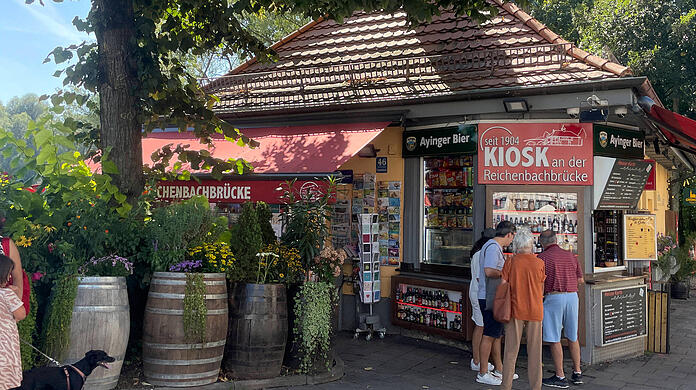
point(26, 290)
point(502, 303)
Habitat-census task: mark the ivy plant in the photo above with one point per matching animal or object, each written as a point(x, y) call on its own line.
point(195, 310)
point(313, 329)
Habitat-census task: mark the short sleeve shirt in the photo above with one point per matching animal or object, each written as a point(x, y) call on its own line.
point(525, 273)
point(491, 256)
point(562, 270)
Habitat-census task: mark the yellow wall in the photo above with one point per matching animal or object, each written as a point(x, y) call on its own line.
point(389, 145)
point(657, 201)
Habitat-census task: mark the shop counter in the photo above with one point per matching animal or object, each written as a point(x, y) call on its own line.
point(617, 305)
point(430, 304)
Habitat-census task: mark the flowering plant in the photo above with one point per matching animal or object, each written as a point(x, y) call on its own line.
point(215, 257)
point(327, 266)
point(111, 265)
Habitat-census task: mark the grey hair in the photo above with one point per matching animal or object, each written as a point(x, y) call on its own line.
point(547, 237)
point(523, 240)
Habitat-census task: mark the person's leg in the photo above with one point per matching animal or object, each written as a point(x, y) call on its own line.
point(496, 354)
point(570, 328)
point(551, 329)
point(476, 343)
point(485, 352)
point(557, 354)
point(574, 349)
point(513, 335)
point(534, 345)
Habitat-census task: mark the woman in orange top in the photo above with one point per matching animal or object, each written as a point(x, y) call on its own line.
point(525, 273)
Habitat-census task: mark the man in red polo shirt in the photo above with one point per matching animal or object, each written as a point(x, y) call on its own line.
point(563, 275)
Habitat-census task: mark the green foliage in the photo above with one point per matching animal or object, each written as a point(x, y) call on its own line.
point(27, 332)
point(56, 329)
point(314, 307)
point(654, 38)
point(306, 221)
point(148, 81)
point(263, 212)
point(246, 243)
point(195, 310)
point(175, 228)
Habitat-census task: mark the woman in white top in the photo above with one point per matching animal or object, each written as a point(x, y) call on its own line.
point(476, 316)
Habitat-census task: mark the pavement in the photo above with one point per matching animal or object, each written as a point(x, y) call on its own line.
point(402, 363)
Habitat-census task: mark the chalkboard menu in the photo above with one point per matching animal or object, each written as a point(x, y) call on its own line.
point(623, 313)
point(625, 185)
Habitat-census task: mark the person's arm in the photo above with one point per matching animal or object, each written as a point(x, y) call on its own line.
point(17, 277)
point(19, 314)
point(578, 272)
point(492, 273)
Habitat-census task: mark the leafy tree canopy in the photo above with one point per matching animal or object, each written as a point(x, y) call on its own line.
point(656, 38)
point(136, 65)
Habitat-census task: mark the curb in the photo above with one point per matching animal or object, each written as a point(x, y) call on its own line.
point(336, 373)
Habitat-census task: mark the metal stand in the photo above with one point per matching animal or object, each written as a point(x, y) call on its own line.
point(368, 323)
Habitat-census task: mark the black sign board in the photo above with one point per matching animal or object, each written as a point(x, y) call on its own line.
point(625, 184)
point(616, 142)
point(623, 313)
point(440, 141)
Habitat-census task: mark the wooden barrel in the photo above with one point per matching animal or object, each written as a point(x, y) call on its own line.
point(100, 320)
point(258, 331)
point(169, 359)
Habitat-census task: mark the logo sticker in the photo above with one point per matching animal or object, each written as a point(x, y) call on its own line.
point(603, 139)
point(411, 144)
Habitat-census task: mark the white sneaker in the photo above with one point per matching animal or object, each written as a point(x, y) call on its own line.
point(477, 367)
point(488, 379)
point(499, 375)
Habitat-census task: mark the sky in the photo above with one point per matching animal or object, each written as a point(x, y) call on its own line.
point(27, 34)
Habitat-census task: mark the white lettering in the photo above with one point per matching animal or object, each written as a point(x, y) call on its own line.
point(541, 160)
point(489, 156)
point(508, 154)
point(528, 156)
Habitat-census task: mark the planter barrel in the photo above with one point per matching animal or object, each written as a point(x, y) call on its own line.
point(258, 330)
point(169, 359)
point(100, 320)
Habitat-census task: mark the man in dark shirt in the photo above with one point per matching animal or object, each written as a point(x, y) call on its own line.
point(563, 275)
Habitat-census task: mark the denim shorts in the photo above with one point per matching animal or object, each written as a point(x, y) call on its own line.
point(560, 312)
point(491, 327)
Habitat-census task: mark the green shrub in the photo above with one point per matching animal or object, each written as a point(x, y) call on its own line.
point(264, 215)
point(175, 228)
point(246, 243)
point(313, 326)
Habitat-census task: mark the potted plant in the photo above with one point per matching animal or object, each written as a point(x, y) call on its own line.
point(257, 298)
point(681, 279)
point(101, 298)
point(306, 222)
point(185, 322)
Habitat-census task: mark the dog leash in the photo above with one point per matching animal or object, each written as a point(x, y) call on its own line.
point(50, 359)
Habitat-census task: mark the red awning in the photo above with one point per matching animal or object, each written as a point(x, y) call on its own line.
point(678, 130)
point(317, 148)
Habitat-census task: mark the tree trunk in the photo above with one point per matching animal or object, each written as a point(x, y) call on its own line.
point(120, 127)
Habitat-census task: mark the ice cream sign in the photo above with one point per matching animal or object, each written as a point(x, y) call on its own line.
point(535, 153)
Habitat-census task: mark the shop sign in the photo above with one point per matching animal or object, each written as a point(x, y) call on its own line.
point(689, 195)
point(640, 237)
point(381, 164)
point(535, 153)
point(650, 183)
point(617, 142)
point(236, 191)
point(619, 183)
point(440, 141)
point(623, 313)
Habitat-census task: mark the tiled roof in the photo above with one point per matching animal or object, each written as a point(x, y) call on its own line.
point(374, 57)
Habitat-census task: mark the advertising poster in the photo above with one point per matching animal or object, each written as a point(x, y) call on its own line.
point(535, 153)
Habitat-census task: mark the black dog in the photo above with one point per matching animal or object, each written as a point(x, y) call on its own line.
point(54, 378)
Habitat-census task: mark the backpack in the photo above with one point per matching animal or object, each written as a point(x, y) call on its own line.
point(26, 288)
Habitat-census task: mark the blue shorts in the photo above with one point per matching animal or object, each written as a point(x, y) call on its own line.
point(491, 327)
point(560, 312)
